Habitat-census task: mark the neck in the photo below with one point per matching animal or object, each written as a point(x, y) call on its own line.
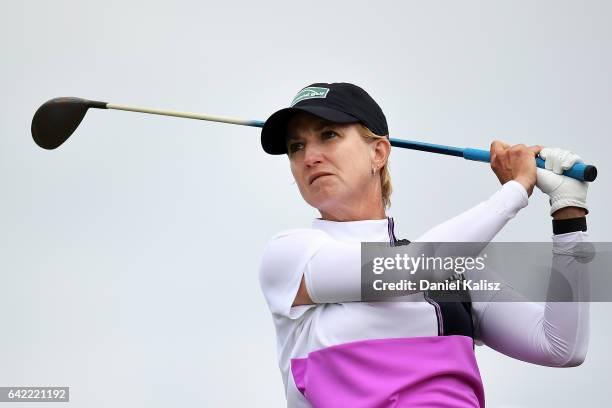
point(367, 209)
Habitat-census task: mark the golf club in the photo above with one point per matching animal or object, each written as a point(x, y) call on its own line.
point(56, 119)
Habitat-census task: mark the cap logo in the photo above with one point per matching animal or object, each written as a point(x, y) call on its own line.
point(310, 93)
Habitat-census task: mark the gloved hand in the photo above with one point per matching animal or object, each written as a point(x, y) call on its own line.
point(563, 191)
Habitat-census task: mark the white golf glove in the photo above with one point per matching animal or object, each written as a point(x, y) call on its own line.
point(563, 191)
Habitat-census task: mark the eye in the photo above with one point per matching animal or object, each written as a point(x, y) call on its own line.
point(296, 146)
point(328, 134)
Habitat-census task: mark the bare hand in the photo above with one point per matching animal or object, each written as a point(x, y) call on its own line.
point(515, 163)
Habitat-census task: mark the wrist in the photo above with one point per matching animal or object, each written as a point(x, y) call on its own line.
point(510, 199)
point(569, 212)
point(526, 183)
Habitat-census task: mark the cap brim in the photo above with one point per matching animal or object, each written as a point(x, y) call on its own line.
point(274, 129)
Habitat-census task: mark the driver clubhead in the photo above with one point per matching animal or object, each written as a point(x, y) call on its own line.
point(58, 118)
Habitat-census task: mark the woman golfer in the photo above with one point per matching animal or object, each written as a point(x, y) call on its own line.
point(335, 350)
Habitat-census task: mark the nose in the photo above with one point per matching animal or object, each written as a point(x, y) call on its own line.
point(312, 155)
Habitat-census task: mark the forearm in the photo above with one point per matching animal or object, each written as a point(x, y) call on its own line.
point(482, 222)
point(553, 334)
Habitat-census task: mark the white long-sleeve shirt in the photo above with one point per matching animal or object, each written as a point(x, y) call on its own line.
point(326, 350)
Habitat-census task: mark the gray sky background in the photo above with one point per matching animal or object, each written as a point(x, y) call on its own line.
point(129, 256)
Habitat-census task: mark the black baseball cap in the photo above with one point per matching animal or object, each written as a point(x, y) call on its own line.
point(338, 102)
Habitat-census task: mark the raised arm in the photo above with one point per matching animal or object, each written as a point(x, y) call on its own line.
point(550, 334)
point(556, 333)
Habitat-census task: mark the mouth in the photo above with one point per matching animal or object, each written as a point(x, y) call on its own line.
point(317, 175)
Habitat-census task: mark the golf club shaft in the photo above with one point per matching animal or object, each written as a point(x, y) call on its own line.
point(188, 115)
point(579, 171)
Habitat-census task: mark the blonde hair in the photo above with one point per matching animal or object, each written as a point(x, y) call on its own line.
point(385, 176)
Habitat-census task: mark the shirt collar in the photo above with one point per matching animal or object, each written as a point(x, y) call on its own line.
point(358, 231)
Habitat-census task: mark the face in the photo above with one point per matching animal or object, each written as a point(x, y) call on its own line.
point(332, 163)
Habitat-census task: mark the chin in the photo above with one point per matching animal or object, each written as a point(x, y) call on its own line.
point(324, 196)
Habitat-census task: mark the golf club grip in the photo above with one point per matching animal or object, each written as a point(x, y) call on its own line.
point(579, 171)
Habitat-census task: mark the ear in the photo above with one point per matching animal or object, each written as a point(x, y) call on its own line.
point(380, 151)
